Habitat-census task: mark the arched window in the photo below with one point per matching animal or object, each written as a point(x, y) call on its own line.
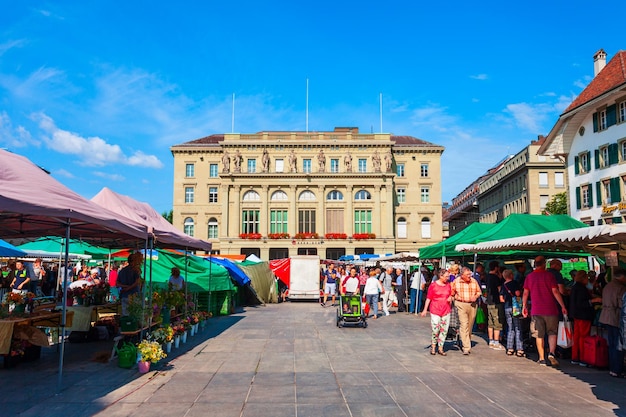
point(251, 196)
point(334, 195)
point(306, 195)
point(362, 195)
point(279, 196)
point(188, 226)
point(425, 228)
point(401, 231)
point(212, 231)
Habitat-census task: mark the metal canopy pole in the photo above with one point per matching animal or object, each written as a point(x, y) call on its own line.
point(64, 312)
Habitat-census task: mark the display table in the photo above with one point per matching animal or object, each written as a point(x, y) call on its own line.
point(38, 319)
point(85, 316)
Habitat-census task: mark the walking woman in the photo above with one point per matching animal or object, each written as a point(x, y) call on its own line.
point(510, 295)
point(439, 299)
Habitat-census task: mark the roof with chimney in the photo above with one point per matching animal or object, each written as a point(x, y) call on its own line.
point(610, 77)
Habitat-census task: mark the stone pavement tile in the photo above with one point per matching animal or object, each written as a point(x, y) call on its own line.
point(229, 378)
point(240, 364)
point(176, 392)
point(318, 394)
point(376, 410)
point(272, 394)
point(276, 362)
point(263, 409)
point(281, 333)
point(279, 346)
point(431, 409)
point(170, 409)
point(312, 362)
point(356, 378)
point(231, 394)
point(316, 378)
point(274, 378)
point(323, 410)
point(215, 409)
point(308, 345)
point(372, 394)
point(396, 378)
point(185, 377)
point(116, 410)
point(413, 394)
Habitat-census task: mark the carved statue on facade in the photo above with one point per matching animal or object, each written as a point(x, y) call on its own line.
point(321, 161)
point(293, 162)
point(347, 160)
point(226, 162)
point(388, 161)
point(376, 161)
point(237, 159)
point(266, 161)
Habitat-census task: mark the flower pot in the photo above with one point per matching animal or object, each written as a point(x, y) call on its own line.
point(196, 327)
point(168, 347)
point(202, 324)
point(143, 367)
point(69, 301)
point(192, 331)
point(184, 337)
point(128, 324)
point(176, 341)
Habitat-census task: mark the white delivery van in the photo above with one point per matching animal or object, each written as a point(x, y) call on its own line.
point(304, 277)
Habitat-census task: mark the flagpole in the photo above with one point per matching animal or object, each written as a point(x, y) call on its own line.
point(307, 106)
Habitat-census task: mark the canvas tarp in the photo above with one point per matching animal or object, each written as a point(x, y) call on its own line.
point(55, 246)
point(261, 279)
point(10, 251)
point(199, 274)
point(165, 234)
point(282, 269)
point(446, 247)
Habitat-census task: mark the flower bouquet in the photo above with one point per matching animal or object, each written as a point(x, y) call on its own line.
point(150, 351)
point(158, 336)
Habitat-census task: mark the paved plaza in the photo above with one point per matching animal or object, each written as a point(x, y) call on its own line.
point(290, 359)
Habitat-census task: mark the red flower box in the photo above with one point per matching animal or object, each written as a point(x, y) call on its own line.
point(363, 236)
point(278, 235)
point(252, 236)
point(336, 236)
point(307, 236)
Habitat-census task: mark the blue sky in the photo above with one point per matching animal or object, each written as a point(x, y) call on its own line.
point(97, 91)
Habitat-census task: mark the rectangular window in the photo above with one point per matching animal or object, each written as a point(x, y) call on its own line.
point(559, 180)
point(189, 195)
point(251, 166)
point(543, 180)
point(280, 165)
point(190, 170)
point(362, 165)
point(584, 162)
point(306, 221)
point(585, 191)
point(604, 156)
point(606, 190)
point(334, 221)
point(400, 170)
point(425, 194)
point(213, 171)
point(401, 193)
point(334, 165)
point(621, 112)
point(212, 194)
point(306, 166)
point(250, 221)
point(424, 170)
point(602, 120)
point(278, 221)
point(362, 221)
point(543, 200)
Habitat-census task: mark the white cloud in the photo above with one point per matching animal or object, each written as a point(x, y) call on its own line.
point(8, 45)
point(531, 117)
point(14, 137)
point(93, 151)
point(109, 176)
point(63, 173)
point(583, 82)
point(481, 77)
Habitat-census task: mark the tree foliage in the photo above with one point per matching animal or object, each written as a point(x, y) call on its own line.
point(557, 205)
point(168, 215)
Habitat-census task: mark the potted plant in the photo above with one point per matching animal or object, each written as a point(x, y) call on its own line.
point(150, 352)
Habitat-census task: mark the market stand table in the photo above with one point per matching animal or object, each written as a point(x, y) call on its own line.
point(43, 318)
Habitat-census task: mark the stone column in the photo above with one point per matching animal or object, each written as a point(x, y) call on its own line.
point(224, 220)
point(377, 211)
point(264, 214)
point(388, 232)
point(321, 215)
point(293, 212)
point(234, 226)
point(348, 217)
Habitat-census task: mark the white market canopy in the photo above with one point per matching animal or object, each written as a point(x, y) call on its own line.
point(595, 239)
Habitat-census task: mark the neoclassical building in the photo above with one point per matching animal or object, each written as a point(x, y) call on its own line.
point(277, 194)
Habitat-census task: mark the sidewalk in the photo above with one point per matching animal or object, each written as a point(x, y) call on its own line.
point(290, 359)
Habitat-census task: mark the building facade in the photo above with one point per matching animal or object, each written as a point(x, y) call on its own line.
point(523, 184)
point(277, 194)
point(591, 136)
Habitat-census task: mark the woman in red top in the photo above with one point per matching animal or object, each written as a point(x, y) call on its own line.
point(439, 299)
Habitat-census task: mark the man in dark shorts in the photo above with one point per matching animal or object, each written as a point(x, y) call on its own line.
point(495, 308)
point(542, 288)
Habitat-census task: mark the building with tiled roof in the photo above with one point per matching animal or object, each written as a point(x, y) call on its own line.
point(591, 137)
point(278, 194)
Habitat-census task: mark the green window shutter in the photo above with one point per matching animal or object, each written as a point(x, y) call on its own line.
point(578, 206)
point(617, 219)
point(611, 115)
point(615, 192)
point(598, 194)
point(576, 165)
point(613, 154)
point(595, 122)
point(588, 161)
point(590, 194)
point(596, 155)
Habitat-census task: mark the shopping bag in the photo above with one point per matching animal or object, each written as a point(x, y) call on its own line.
point(480, 316)
point(564, 338)
point(516, 304)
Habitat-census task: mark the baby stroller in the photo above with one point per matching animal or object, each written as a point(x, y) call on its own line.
point(350, 310)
